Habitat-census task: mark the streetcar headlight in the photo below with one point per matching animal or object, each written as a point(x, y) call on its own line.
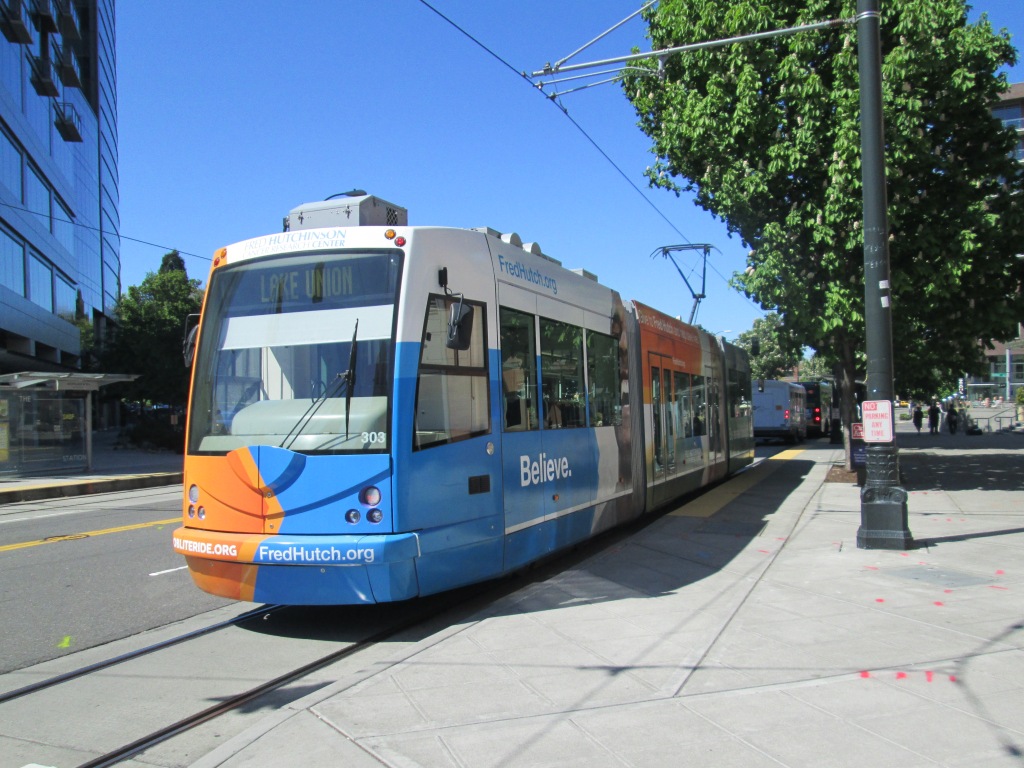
point(374, 515)
point(352, 516)
point(193, 493)
point(370, 496)
point(191, 510)
point(202, 513)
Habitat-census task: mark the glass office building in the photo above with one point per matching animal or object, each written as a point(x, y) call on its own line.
point(59, 227)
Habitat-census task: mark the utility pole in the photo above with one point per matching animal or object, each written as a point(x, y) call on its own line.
point(883, 503)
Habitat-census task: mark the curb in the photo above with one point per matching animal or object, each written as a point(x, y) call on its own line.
point(85, 487)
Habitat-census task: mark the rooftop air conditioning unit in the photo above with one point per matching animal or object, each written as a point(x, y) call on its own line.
point(356, 209)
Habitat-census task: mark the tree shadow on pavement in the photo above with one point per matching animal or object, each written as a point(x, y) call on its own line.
point(962, 471)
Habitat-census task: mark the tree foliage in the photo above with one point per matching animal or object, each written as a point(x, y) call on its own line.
point(148, 336)
point(778, 351)
point(172, 262)
point(766, 135)
point(816, 368)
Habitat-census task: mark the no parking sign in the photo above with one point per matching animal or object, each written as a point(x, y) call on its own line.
point(877, 419)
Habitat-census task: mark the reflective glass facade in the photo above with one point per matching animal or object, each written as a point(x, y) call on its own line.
point(59, 223)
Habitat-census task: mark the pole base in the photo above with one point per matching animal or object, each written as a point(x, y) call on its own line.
point(883, 503)
point(884, 539)
point(883, 519)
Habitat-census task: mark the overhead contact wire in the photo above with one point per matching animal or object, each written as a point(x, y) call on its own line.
point(565, 112)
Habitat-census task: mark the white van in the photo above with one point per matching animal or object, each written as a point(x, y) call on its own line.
point(780, 411)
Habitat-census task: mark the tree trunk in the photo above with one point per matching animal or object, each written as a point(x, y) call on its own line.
point(847, 392)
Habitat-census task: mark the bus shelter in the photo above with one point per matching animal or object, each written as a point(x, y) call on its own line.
point(46, 420)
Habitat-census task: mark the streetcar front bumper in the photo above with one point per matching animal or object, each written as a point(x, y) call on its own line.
point(302, 570)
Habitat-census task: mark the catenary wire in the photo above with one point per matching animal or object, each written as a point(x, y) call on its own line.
point(569, 117)
point(565, 112)
point(118, 235)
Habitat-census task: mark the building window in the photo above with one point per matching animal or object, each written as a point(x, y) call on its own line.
point(63, 229)
point(37, 197)
point(40, 282)
point(10, 165)
point(65, 298)
point(1007, 112)
point(12, 263)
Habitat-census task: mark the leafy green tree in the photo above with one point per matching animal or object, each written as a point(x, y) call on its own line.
point(172, 262)
point(766, 135)
point(87, 336)
point(779, 352)
point(816, 368)
point(148, 336)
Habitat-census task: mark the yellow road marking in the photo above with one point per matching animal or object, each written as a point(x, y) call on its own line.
point(711, 502)
point(86, 534)
point(792, 453)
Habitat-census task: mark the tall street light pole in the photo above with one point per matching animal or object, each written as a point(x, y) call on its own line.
point(883, 503)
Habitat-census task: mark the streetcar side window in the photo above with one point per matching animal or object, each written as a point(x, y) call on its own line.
point(740, 405)
point(605, 386)
point(518, 370)
point(684, 406)
point(561, 375)
point(451, 393)
point(698, 401)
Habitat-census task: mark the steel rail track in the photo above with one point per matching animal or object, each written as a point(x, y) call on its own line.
point(126, 751)
point(89, 669)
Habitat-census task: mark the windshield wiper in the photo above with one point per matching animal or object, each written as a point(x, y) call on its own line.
point(350, 376)
point(346, 379)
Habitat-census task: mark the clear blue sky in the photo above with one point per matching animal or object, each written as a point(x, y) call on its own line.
point(232, 112)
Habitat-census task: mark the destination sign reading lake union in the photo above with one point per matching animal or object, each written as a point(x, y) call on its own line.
point(877, 421)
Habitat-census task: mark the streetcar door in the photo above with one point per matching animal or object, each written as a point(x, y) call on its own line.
point(713, 414)
point(450, 486)
point(662, 462)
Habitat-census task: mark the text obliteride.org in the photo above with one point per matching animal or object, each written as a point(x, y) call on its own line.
point(282, 554)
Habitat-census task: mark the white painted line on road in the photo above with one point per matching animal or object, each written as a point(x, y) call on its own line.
point(169, 570)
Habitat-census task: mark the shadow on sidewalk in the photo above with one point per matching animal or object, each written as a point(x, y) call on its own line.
point(963, 470)
point(966, 537)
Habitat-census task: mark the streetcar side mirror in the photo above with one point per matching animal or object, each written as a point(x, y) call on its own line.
point(188, 345)
point(755, 346)
point(460, 326)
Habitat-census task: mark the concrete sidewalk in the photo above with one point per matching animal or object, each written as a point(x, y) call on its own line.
point(742, 629)
point(117, 466)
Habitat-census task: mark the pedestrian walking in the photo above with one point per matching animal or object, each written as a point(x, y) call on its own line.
point(933, 419)
point(918, 418)
point(951, 419)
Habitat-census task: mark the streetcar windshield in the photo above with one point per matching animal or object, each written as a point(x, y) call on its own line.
point(297, 351)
